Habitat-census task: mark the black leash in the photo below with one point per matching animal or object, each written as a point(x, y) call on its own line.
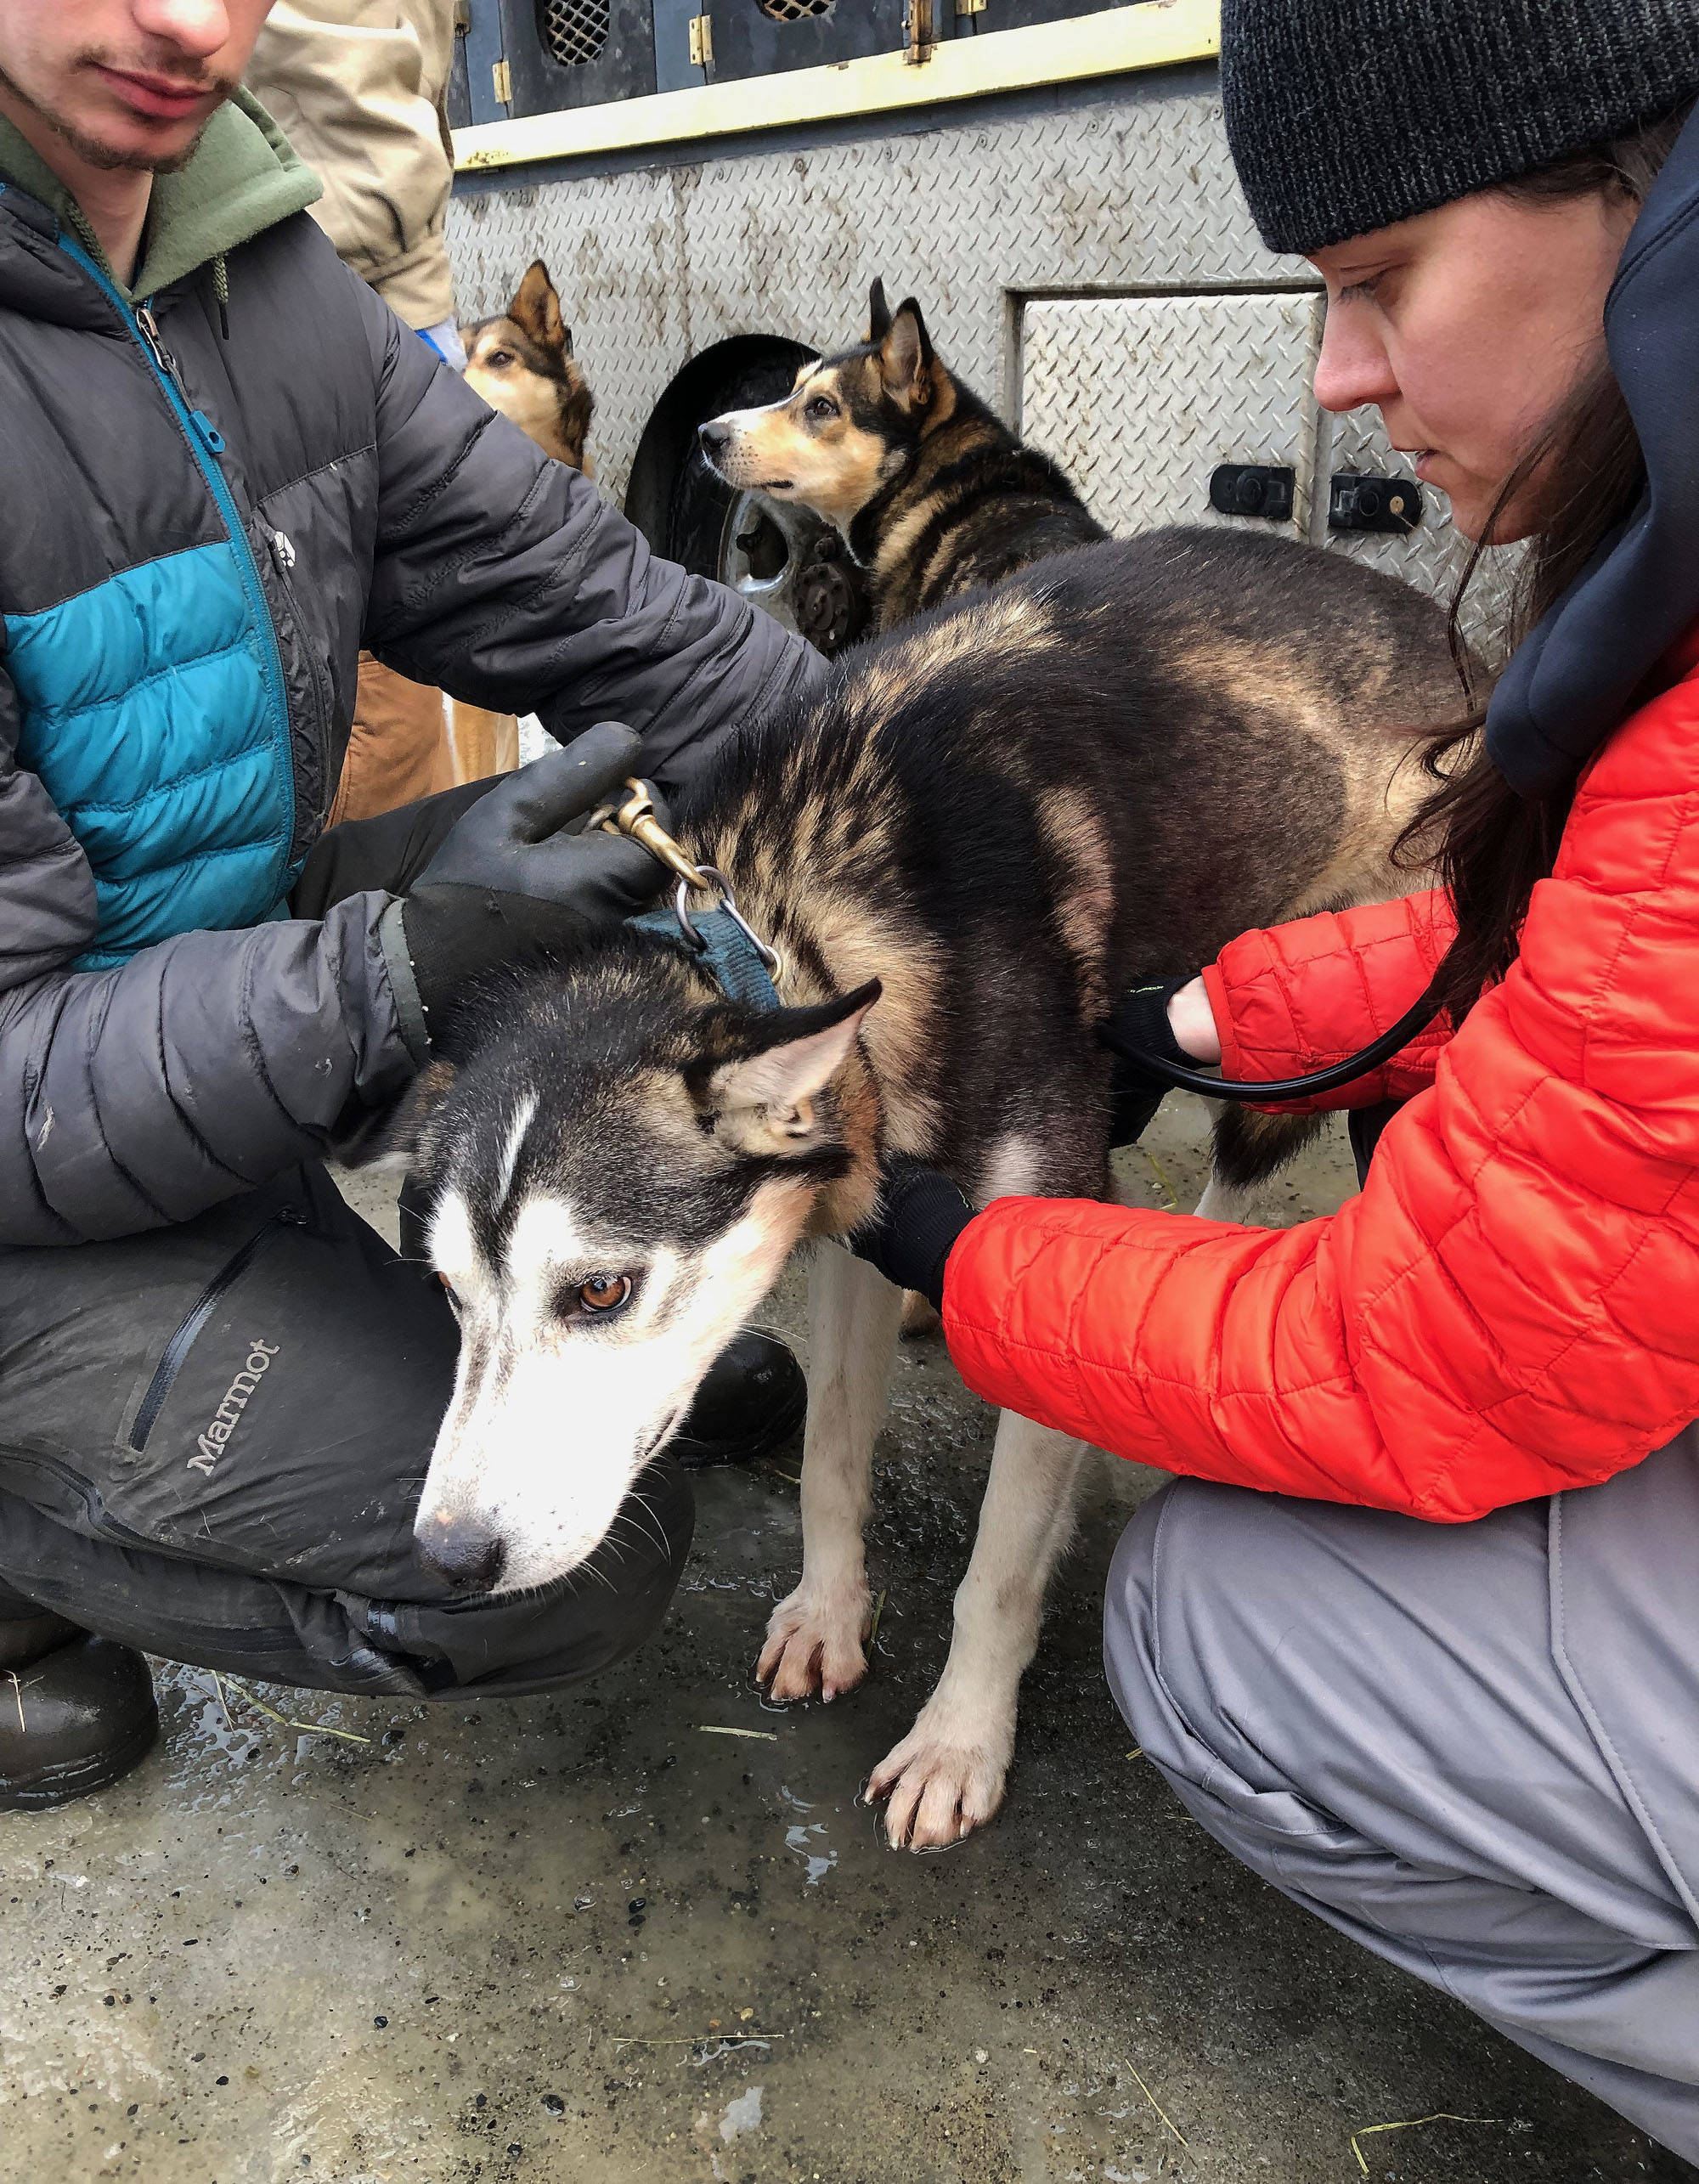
point(1252, 1094)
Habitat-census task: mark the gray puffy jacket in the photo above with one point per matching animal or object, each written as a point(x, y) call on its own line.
point(202, 527)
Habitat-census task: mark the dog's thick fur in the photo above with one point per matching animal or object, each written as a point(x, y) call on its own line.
point(930, 489)
point(1109, 766)
point(522, 365)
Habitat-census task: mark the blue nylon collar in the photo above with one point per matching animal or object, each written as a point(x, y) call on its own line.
point(728, 955)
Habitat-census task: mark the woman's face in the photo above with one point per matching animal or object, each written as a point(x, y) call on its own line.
point(1467, 328)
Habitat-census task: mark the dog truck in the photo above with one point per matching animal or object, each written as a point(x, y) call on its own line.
point(714, 184)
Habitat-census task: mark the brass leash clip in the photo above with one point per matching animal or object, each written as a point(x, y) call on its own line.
point(636, 816)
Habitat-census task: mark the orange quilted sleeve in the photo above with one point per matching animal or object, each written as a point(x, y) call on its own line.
point(1293, 998)
point(1511, 1306)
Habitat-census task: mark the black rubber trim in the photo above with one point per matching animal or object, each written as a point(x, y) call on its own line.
point(180, 1343)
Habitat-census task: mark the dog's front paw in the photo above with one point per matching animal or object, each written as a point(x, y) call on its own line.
point(813, 1643)
point(940, 1788)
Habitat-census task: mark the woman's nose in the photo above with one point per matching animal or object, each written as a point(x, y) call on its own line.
point(1353, 367)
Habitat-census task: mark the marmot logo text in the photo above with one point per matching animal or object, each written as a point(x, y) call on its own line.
point(228, 1416)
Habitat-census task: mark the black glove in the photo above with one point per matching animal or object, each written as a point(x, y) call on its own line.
point(1139, 1020)
point(921, 1214)
point(508, 882)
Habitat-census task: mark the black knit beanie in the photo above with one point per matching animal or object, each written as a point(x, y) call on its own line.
point(1345, 115)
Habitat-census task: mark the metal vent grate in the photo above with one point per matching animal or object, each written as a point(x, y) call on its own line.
point(573, 30)
point(794, 11)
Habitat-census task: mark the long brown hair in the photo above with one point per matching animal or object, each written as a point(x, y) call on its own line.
point(1489, 844)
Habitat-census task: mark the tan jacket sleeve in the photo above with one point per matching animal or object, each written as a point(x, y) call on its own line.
point(357, 87)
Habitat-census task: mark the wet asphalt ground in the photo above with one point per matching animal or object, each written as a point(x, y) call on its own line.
point(642, 1931)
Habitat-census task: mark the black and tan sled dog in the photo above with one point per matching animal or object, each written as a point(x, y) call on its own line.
point(993, 823)
point(522, 363)
point(930, 489)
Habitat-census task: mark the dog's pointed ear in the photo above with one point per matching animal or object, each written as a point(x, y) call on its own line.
point(905, 356)
point(536, 310)
point(766, 1090)
point(879, 314)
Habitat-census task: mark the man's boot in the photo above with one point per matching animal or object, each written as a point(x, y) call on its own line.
point(76, 1711)
point(753, 1399)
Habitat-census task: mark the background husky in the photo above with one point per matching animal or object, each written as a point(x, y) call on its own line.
point(522, 365)
point(932, 492)
point(1109, 766)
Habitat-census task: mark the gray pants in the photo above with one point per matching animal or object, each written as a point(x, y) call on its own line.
point(1473, 1748)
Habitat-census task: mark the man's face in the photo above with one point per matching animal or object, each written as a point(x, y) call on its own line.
point(126, 83)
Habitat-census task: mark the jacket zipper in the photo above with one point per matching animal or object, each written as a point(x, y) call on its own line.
point(171, 1357)
point(206, 444)
point(284, 558)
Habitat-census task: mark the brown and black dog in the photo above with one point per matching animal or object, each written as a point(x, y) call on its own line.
point(522, 365)
point(930, 490)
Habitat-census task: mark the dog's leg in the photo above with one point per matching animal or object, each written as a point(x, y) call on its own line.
point(815, 1638)
point(1223, 1201)
point(946, 1776)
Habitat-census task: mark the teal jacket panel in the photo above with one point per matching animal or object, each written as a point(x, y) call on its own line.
point(146, 715)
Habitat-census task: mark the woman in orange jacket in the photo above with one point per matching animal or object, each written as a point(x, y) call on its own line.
point(1416, 1633)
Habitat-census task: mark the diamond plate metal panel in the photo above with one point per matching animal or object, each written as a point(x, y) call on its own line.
point(656, 266)
point(1052, 221)
point(1139, 398)
point(1432, 556)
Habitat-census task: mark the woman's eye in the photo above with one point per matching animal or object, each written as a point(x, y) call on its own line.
point(821, 405)
point(604, 1293)
point(1360, 291)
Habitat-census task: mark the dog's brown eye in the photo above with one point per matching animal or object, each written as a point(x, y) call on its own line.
point(821, 405)
point(498, 356)
point(604, 1292)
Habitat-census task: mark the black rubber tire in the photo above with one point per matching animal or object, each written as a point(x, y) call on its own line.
point(700, 501)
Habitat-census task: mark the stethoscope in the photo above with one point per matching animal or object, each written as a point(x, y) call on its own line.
point(1398, 1036)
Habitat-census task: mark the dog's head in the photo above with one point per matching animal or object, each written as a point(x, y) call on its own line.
point(850, 427)
point(521, 363)
point(616, 1177)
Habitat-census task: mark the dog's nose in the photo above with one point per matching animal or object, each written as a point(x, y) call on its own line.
point(715, 438)
point(464, 1552)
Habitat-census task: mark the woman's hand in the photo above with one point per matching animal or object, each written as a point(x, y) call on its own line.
point(1192, 1022)
point(921, 1213)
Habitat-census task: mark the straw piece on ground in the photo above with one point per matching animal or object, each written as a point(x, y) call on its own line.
point(713, 1729)
point(283, 1721)
point(874, 1627)
point(1165, 2115)
point(1410, 2124)
point(1169, 1191)
point(697, 2039)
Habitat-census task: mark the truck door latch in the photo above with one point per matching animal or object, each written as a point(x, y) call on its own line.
point(1359, 502)
point(1253, 489)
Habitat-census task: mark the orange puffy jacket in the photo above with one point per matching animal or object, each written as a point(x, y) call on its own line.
point(1511, 1306)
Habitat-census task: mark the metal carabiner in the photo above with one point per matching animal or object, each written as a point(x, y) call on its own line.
point(635, 817)
point(728, 903)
